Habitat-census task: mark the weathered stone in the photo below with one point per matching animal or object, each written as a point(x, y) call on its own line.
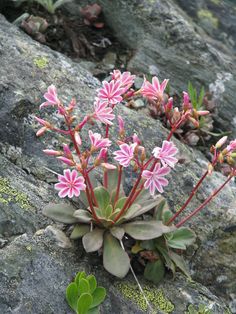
point(22, 84)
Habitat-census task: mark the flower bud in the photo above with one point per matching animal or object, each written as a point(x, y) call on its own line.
point(67, 151)
point(67, 161)
point(203, 112)
point(43, 122)
point(61, 110)
point(169, 105)
point(51, 152)
point(186, 102)
point(230, 160)
point(221, 142)
point(121, 126)
point(41, 131)
point(194, 122)
point(220, 158)
point(143, 154)
point(136, 139)
point(108, 166)
point(210, 169)
point(77, 138)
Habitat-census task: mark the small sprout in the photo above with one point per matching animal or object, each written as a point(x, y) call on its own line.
point(83, 295)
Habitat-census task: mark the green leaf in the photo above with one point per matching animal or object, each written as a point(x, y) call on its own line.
point(166, 216)
point(83, 286)
point(83, 216)
point(180, 263)
point(83, 199)
point(84, 303)
point(98, 296)
point(154, 271)
point(79, 276)
point(115, 259)
point(112, 176)
point(94, 310)
point(200, 97)
point(108, 211)
point(130, 213)
point(92, 283)
point(117, 232)
point(120, 203)
point(148, 245)
point(72, 294)
point(162, 249)
point(180, 238)
point(146, 230)
point(79, 231)
point(92, 241)
point(102, 196)
point(160, 208)
point(113, 194)
point(60, 212)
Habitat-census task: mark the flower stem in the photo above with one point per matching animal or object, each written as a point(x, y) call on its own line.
point(179, 224)
point(91, 189)
point(118, 184)
point(91, 204)
point(189, 199)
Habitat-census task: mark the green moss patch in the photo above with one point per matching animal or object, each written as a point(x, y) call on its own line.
point(9, 194)
point(154, 296)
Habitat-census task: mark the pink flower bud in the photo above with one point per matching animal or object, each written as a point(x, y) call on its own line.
point(102, 154)
point(169, 106)
point(66, 161)
point(61, 110)
point(41, 131)
point(194, 122)
point(232, 146)
point(77, 138)
point(115, 75)
point(221, 142)
point(108, 166)
point(42, 122)
point(186, 102)
point(85, 120)
point(67, 150)
point(136, 139)
point(52, 152)
point(121, 125)
point(203, 112)
point(130, 93)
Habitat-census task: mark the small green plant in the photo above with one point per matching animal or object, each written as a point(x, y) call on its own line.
point(83, 295)
point(196, 100)
point(201, 309)
point(49, 5)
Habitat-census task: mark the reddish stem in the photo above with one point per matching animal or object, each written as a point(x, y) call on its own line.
point(189, 199)
point(91, 204)
point(175, 127)
point(91, 189)
point(118, 184)
point(204, 203)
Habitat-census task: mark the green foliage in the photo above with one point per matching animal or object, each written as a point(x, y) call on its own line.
point(49, 5)
point(201, 309)
point(83, 295)
point(196, 99)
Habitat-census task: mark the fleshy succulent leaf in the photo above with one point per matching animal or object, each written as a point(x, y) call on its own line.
point(82, 216)
point(117, 232)
point(166, 216)
point(102, 196)
point(160, 208)
point(115, 259)
point(98, 296)
point(180, 238)
point(84, 302)
point(108, 211)
point(146, 230)
point(79, 231)
point(154, 271)
point(120, 203)
point(72, 293)
point(180, 263)
point(92, 283)
point(92, 241)
point(83, 286)
point(60, 212)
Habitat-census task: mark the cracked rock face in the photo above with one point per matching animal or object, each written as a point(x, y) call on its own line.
point(36, 261)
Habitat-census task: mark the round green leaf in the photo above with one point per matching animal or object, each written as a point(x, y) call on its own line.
point(60, 212)
point(92, 241)
point(146, 230)
point(181, 238)
point(154, 271)
point(117, 232)
point(115, 259)
point(98, 296)
point(92, 283)
point(83, 286)
point(79, 231)
point(82, 216)
point(72, 294)
point(84, 303)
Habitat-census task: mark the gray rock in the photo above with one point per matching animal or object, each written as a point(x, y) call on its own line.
point(161, 34)
point(24, 78)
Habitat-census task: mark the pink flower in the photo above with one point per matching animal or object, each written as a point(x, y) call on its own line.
point(154, 179)
point(51, 97)
point(126, 79)
point(110, 93)
point(232, 146)
point(103, 113)
point(125, 154)
point(221, 142)
point(70, 184)
point(166, 153)
point(97, 141)
point(155, 90)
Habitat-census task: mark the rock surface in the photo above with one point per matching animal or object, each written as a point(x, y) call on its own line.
point(28, 261)
point(161, 34)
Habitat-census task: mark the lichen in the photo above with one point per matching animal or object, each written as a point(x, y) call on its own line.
point(154, 296)
point(201, 309)
point(41, 62)
point(9, 194)
point(216, 2)
point(209, 17)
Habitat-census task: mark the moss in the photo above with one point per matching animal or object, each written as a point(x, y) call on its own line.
point(209, 17)
point(201, 309)
point(216, 2)
point(155, 297)
point(41, 62)
point(9, 194)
